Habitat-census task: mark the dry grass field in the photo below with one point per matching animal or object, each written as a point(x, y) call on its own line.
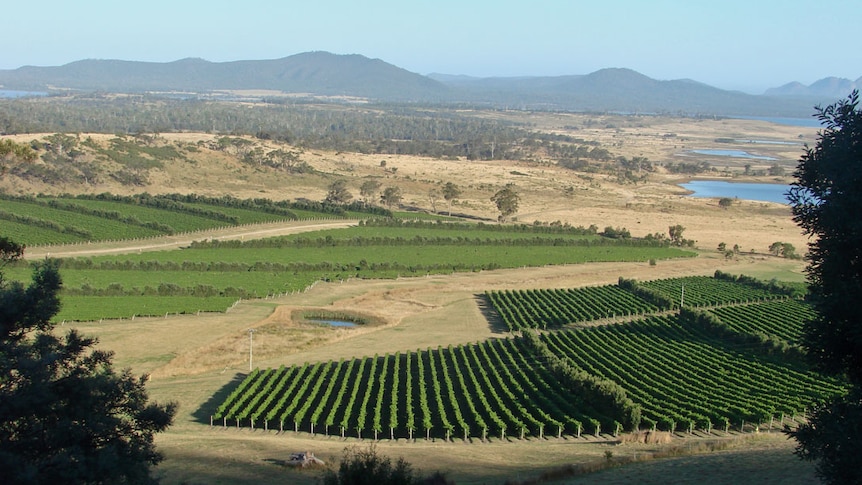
point(195, 359)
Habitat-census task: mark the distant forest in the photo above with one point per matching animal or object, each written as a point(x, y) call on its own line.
point(385, 129)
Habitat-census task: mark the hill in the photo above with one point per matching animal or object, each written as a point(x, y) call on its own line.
point(621, 90)
point(327, 74)
point(828, 87)
point(318, 73)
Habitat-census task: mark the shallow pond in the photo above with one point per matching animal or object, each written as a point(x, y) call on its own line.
point(746, 191)
point(334, 323)
point(732, 153)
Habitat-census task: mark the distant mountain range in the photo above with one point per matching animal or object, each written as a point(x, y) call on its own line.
point(326, 74)
point(833, 87)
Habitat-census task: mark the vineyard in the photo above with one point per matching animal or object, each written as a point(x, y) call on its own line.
point(661, 371)
point(549, 308)
point(47, 220)
point(223, 272)
point(782, 320)
point(552, 308)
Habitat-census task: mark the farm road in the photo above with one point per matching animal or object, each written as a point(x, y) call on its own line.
point(255, 231)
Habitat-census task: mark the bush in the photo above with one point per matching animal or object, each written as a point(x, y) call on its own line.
point(366, 466)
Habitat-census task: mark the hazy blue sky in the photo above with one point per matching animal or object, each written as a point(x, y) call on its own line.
point(732, 44)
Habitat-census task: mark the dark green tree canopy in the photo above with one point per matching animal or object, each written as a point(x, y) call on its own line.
point(826, 199)
point(65, 415)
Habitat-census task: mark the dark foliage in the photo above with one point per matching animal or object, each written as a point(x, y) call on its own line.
point(826, 199)
point(366, 466)
point(65, 415)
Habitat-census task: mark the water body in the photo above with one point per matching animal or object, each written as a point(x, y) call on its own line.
point(334, 323)
point(731, 153)
point(9, 93)
point(745, 191)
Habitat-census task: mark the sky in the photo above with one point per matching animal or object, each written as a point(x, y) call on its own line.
point(746, 45)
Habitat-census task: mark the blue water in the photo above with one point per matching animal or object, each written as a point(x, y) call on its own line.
point(745, 191)
point(732, 153)
point(8, 93)
point(334, 323)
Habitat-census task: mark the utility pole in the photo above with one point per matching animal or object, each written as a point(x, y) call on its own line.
point(250, 346)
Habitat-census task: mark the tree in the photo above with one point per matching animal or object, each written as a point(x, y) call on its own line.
point(450, 192)
point(675, 233)
point(826, 200)
point(338, 193)
point(391, 196)
point(507, 201)
point(65, 415)
point(725, 202)
point(369, 189)
point(433, 196)
point(775, 248)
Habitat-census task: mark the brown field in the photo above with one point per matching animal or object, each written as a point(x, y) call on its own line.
point(193, 359)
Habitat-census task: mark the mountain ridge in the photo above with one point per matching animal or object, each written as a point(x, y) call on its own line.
point(320, 73)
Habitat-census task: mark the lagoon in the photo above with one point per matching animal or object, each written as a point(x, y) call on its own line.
point(731, 153)
point(745, 191)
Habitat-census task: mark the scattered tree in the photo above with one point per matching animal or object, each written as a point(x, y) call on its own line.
point(722, 247)
point(826, 199)
point(507, 201)
point(67, 416)
point(783, 249)
point(433, 197)
point(775, 170)
point(675, 233)
point(338, 193)
point(391, 196)
point(369, 189)
point(450, 192)
point(725, 202)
